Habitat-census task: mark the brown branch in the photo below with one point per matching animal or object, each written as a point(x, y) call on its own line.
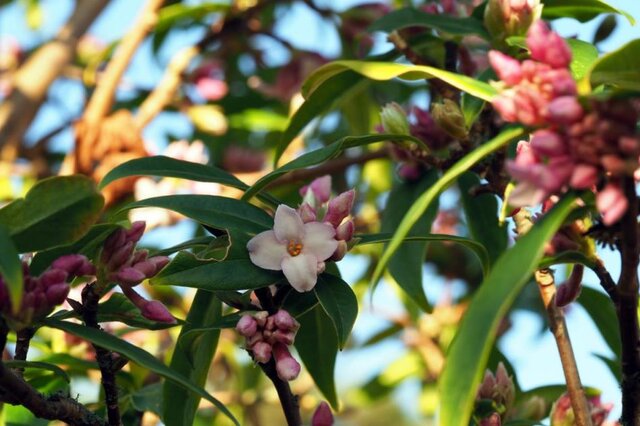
point(102, 99)
point(288, 400)
point(15, 391)
point(31, 82)
point(558, 326)
point(90, 298)
point(23, 340)
point(627, 308)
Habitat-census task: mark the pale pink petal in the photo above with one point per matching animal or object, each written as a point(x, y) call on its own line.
point(288, 225)
point(266, 251)
point(301, 271)
point(319, 240)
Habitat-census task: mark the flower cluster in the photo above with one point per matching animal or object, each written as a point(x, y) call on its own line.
point(43, 293)
point(302, 240)
point(122, 263)
point(577, 148)
point(562, 412)
point(270, 335)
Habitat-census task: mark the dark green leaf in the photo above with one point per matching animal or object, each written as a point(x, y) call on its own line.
point(10, 267)
point(469, 351)
point(192, 360)
point(214, 211)
point(423, 202)
point(14, 363)
point(411, 17)
point(55, 211)
point(339, 303)
point(582, 10)
point(601, 310)
point(149, 398)
point(137, 355)
point(317, 345)
point(406, 264)
point(316, 104)
point(620, 68)
point(481, 213)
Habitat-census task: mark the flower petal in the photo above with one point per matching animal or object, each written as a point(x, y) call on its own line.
point(288, 224)
point(301, 271)
point(266, 251)
point(319, 240)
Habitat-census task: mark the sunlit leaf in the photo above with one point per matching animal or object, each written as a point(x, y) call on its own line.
point(582, 10)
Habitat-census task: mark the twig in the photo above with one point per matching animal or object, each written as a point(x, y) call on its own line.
point(627, 310)
point(23, 339)
point(104, 357)
point(555, 317)
point(15, 391)
point(32, 81)
point(288, 400)
point(558, 326)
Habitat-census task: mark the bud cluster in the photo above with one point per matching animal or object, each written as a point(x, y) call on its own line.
point(577, 148)
point(562, 412)
point(498, 388)
point(42, 294)
point(270, 335)
point(316, 196)
point(506, 18)
point(122, 263)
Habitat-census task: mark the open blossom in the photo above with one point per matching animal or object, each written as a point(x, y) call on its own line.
point(298, 249)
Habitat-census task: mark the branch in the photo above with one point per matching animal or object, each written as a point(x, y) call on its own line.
point(31, 82)
point(102, 99)
point(23, 340)
point(288, 400)
point(15, 391)
point(90, 299)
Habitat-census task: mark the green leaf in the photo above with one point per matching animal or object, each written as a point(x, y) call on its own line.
point(603, 313)
point(212, 210)
point(119, 308)
point(231, 274)
point(171, 15)
point(317, 344)
point(423, 202)
point(620, 68)
point(469, 351)
point(567, 257)
point(472, 106)
point(321, 155)
point(14, 363)
point(258, 120)
point(411, 17)
point(583, 56)
point(481, 213)
point(10, 267)
point(192, 360)
point(478, 249)
point(339, 303)
point(388, 70)
point(319, 102)
point(55, 211)
point(137, 355)
point(582, 10)
point(406, 264)
point(149, 398)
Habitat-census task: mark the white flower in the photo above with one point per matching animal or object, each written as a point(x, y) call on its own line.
point(298, 249)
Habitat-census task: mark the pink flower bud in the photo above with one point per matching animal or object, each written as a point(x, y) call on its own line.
point(320, 189)
point(345, 231)
point(212, 89)
point(547, 46)
point(584, 176)
point(52, 277)
point(340, 207)
point(284, 321)
point(506, 107)
point(307, 213)
point(322, 416)
point(570, 290)
point(485, 391)
point(261, 318)
point(139, 256)
point(74, 265)
point(247, 326)
point(261, 352)
point(135, 232)
point(340, 252)
point(285, 337)
point(564, 110)
point(147, 268)
point(57, 293)
point(493, 420)
point(611, 203)
point(159, 262)
point(556, 173)
point(130, 276)
point(114, 242)
point(156, 311)
point(548, 143)
point(120, 256)
point(286, 366)
point(507, 68)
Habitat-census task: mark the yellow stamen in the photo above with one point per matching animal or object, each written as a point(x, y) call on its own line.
point(294, 248)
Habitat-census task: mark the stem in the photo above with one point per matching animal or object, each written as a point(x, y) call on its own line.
point(288, 400)
point(558, 326)
point(23, 339)
point(15, 391)
point(627, 308)
point(104, 357)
